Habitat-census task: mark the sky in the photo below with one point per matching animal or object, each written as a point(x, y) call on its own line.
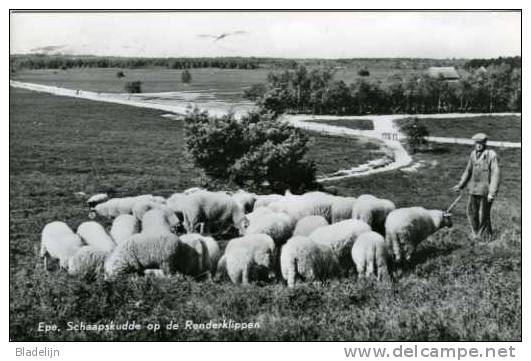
point(270, 34)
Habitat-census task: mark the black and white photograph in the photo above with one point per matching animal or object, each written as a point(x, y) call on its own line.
point(265, 175)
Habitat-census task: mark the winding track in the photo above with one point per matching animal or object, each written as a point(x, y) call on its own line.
point(384, 126)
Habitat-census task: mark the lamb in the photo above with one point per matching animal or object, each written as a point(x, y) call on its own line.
point(405, 228)
point(123, 227)
point(58, 241)
point(342, 208)
point(93, 234)
point(217, 212)
point(308, 224)
point(199, 255)
point(340, 237)
point(245, 199)
point(370, 256)
point(372, 211)
point(96, 199)
point(248, 258)
point(302, 258)
point(154, 247)
point(87, 261)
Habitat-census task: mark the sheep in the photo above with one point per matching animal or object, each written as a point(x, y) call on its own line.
point(87, 261)
point(96, 199)
point(192, 190)
point(258, 213)
point(340, 237)
point(302, 258)
point(217, 212)
point(306, 225)
point(405, 228)
point(313, 203)
point(370, 255)
point(247, 259)
point(160, 220)
point(278, 226)
point(154, 247)
point(342, 208)
point(123, 227)
point(199, 255)
point(245, 199)
point(266, 199)
point(116, 206)
point(145, 251)
point(372, 211)
point(93, 234)
point(142, 206)
point(58, 241)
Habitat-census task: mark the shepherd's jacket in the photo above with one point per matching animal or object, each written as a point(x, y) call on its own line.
point(482, 174)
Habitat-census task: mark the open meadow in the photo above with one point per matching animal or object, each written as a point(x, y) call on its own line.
point(458, 290)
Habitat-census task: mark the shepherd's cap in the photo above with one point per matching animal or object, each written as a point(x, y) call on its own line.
point(479, 138)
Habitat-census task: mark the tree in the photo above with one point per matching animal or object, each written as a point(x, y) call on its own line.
point(416, 133)
point(133, 86)
point(186, 77)
point(257, 152)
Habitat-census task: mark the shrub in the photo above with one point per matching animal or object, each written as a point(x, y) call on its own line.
point(364, 72)
point(416, 133)
point(133, 86)
point(257, 152)
point(120, 74)
point(186, 77)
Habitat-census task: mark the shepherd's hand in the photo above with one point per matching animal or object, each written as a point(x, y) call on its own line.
point(456, 188)
point(490, 198)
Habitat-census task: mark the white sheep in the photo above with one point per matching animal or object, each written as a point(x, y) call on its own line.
point(258, 213)
point(88, 260)
point(199, 255)
point(278, 226)
point(373, 211)
point(96, 199)
point(309, 204)
point(370, 255)
point(302, 258)
point(213, 212)
point(342, 208)
point(405, 228)
point(340, 237)
point(306, 225)
point(116, 206)
point(247, 259)
point(264, 200)
point(58, 241)
point(93, 234)
point(192, 190)
point(142, 206)
point(245, 199)
point(123, 227)
point(153, 248)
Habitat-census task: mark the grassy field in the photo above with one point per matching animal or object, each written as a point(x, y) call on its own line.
point(458, 290)
point(361, 124)
point(506, 128)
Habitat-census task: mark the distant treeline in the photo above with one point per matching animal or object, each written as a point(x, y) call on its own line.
point(513, 62)
point(495, 89)
point(37, 61)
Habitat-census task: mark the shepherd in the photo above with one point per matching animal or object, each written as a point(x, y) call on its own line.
point(482, 176)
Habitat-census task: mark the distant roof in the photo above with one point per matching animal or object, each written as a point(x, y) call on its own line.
point(447, 72)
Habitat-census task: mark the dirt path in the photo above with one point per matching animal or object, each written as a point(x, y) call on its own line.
point(384, 127)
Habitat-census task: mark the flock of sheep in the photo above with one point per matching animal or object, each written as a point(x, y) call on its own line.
point(314, 236)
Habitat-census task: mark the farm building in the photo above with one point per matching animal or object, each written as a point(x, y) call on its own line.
point(446, 72)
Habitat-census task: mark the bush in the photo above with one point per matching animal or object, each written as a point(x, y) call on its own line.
point(133, 86)
point(416, 133)
point(120, 74)
point(186, 77)
point(363, 72)
point(257, 152)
